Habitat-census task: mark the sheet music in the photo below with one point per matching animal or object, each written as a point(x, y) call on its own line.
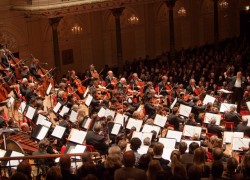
point(189, 142)
point(77, 136)
point(142, 135)
point(43, 121)
point(173, 104)
point(64, 110)
point(119, 118)
point(88, 100)
point(102, 112)
point(30, 113)
point(185, 110)
point(208, 99)
point(168, 142)
point(86, 92)
point(2, 153)
point(43, 132)
point(190, 131)
point(248, 119)
point(87, 123)
point(49, 89)
point(57, 107)
point(109, 113)
point(58, 131)
point(10, 102)
point(14, 162)
point(160, 120)
point(167, 153)
point(238, 143)
point(116, 128)
point(149, 128)
point(134, 123)
point(22, 107)
point(228, 136)
point(143, 150)
point(209, 116)
point(73, 116)
point(40, 119)
point(77, 149)
point(248, 105)
point(226, 107)
point(174, 134)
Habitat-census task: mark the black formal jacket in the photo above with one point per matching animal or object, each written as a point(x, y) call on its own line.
point(96, 140)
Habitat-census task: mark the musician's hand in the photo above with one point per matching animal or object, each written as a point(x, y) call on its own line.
point(42, 76)
point(225, 74)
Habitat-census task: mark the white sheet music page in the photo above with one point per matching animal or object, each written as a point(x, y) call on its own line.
point(208, 99)
point(143, 150)
point(209, 116)
point(102, 112)
point(174, 134)
point(160, 120)
point(238, 143)
point(77, 136)
point(173, 104)
point(58, 131)
point(57, 107)
point(226, 107)
point(86, 92)
point(167, 153)
point(73, 116)
point(30, 112)
point(184, 110)
point(87, 123)
point(43, 132)
point(116, 128)
point(49, 89)
point(168, 142)
point(248, 119)
point(142, 135)
point(228, 136)
point(134, 123)
point(109, 113)
point(2, 153)
point(22, 107)
point(14, 162)
point(78, 149)
point(248, 105)
point(88, 100)
point(40, 119)
point(10, 102)
point(119, 118)
point(64, 110)
point(149, 128)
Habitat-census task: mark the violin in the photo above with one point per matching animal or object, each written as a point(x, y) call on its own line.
point(80, 88)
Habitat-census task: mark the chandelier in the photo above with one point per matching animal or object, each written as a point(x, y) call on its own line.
point(133, 19)
point(76, 29)
point(223, 4)
point(182, 12)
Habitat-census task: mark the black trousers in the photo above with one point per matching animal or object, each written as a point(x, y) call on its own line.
point(237, 96)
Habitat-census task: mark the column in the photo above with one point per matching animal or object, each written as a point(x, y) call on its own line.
point(117, 14)
point(171, 4)
point(216, 22)
point(54, 22)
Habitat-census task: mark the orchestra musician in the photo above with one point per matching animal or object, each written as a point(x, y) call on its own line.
point(163, 85)
point(91, 74)
point(133, 82)
point(191, 87)
point(24, 86)
point(175, 120)
point(122, 86)
point(34, 66)
point(236, 84)
point(109, 80)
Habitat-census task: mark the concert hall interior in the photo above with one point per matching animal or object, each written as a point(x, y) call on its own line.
point(124, 89)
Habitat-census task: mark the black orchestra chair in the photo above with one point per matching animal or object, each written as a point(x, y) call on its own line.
point(229, 126)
